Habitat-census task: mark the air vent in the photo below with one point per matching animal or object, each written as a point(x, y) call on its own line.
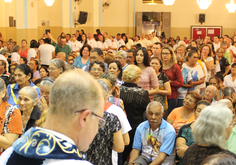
point(152, 2)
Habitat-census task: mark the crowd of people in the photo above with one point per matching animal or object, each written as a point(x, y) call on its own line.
point(118, 100)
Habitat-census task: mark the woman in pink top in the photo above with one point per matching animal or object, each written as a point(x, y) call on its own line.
point(148, 80)
point(184, 115)
point(23, 49)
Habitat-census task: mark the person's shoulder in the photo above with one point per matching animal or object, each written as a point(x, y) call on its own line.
point(144, 124)
point(167, 126)
point(175, 66)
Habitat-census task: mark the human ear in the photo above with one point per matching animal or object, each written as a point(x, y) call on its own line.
point(84, 118)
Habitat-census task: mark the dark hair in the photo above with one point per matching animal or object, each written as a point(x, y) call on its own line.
point(201, 102)
point(97, 62)
point(82, 31)
point(160, 70)
point(220, 159)
point(24, 40)
point(103, 38)
point(38, 81)
point(158, 43)
point(208, 36)
point(34, 44)
point(25, 69)
point(190, 54)
point(233, 65)
point(98, 31)
point(45, 68)
point(194, 41)
point(122, 46)
point(220, 76)
point(85, 46)
point(227, 91)
point(217, 36)
point(126, 39)
point(47, 40)
point(97, 50)
point(202, 48)
point(24, 59)
point(195, 95)
point(37, 63)
point(119, 68)
point(95, 37)
point(145, 55)
point(85, 38)
point(68, 34)
point(217, 79)
point(62, 37)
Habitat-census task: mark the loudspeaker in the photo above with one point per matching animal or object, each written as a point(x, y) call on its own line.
point(83, 17)
point(201, 18)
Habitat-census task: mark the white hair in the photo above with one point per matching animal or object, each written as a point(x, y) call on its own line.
point(32, 92)
point(156, 103)
point(210, 127)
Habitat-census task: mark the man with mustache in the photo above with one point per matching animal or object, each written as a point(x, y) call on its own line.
point(154, 139)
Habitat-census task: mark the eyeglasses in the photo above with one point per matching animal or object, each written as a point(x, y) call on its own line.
point(94, 69)
point(101, 122)
point(165, 54)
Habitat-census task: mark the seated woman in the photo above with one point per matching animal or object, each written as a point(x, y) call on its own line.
point(108, 137)
point(23, 75)
point(135, 101)
point(56, 67)
point(28, 105)
point(116, 68)
point(10, 120)
point(184, 137)
point(96, 68)
point(211, 130)
point(184, 115)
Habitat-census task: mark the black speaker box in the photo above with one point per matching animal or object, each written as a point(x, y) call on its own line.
point(83, 17)
point(201, 18)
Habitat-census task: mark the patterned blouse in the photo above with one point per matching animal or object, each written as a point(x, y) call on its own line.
point(78, 63)
point(175, 76)
point(100, 150)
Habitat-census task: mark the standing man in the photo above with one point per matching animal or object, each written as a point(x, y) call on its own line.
point(156, 50)
point(154, 139)
point(154, 39)
point(91, 40)
point(122, 56)
point(63, 47)
point(216, 42)
point(70, 126)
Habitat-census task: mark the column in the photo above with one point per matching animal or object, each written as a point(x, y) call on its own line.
point(97, 5)
point(67, 22)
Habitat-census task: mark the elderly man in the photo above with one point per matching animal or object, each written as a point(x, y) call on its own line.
point(70, 126)
point(154, 139)
point(122, 57)
point(63, 47)
point(211, 94)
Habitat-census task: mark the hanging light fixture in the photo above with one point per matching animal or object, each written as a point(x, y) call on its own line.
point(204, 4)
point(168, 2)
point(8, 1)
point(49, 2)
point(231, 6)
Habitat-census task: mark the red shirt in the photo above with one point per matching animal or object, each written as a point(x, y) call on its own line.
point(175, 76)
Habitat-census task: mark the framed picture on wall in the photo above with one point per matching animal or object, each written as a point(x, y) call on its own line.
point(202, 31)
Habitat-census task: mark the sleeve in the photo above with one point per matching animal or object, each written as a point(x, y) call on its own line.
point(137, 144)
point(178, 82)
point(38, 91)
point(53, 48)
point(153, 78)
point(217, 67)
point(201, 73)
point(224, 83)
point(226, 62)
point(76, 62)
point(209, 59)
point(189, 76)
point(125, 125)
point(14, 57)
point(56, 50)
point(168, 143)
point(31, 53)
point(15, 122)
point(173, 114)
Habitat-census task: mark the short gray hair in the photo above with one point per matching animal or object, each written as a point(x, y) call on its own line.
point(210, 127)
point(104, 85)
point(32, 92)
point(4, 51)
point(72, 91)
point(16, 48)
point(47, 81)
point(155, 103)
point(111, 77)
point(59, 63)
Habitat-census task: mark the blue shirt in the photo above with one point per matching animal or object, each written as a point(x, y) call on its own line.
point(144, 138)
point(78, 63)
point(16, 90)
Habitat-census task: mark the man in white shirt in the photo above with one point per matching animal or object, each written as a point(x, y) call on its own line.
point(69, 128)
point(119, 41)
point(155, 39)
point(68, 42)
point(107, 40)
point(75, 44)
point(137, 40)
point(144, 41)
point(91, 40)
point(216, 42)
point(130, 41)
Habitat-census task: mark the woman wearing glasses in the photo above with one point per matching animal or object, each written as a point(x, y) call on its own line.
point(173, 71)
point(148, 80)
point(196, 71)
point(56, 67)
point(96, 68)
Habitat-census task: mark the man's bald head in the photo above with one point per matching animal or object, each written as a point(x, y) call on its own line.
point(210, 92)
point(75, 90)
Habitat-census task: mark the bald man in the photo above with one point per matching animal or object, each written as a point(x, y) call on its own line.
point(76, 113)
point(211, 94)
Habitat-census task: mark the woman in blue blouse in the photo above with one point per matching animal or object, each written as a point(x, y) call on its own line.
point(83, 60)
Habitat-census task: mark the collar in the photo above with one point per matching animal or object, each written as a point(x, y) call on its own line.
point(18, 87)
point(162, 126)
point(125, 66)
point(129, 84)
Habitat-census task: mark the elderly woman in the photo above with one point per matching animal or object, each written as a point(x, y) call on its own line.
point(135, 101)
point(23, 75)
point(83, 60)
point(211, 130)
point(96, 68)
point(10, 120)
point(15, 57)
point(184, 137)
point(28, 99)
point(108, 137)
point(115, 67)
point(184, 115)
point(173, 71)
point(148, 79)
point(56, 67)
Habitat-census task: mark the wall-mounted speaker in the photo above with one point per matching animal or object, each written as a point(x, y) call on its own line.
point(83, 17)
point(201, 18)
